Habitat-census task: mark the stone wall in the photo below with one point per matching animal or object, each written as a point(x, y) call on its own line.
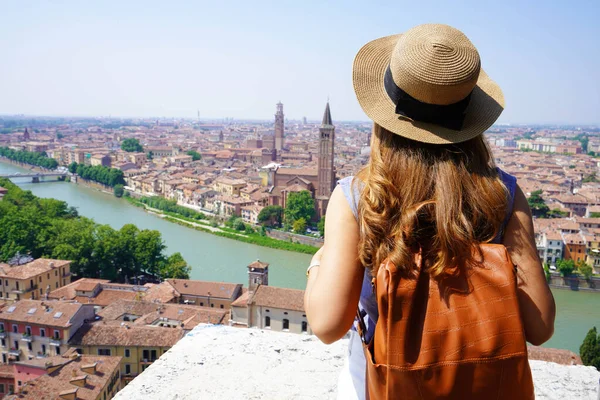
point(220, 362)
point(575, 283)
point(288, 236)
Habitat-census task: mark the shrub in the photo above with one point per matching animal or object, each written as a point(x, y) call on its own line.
point(590, 349)
point(239, 225)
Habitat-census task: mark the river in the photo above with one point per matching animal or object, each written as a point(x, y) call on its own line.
point(218, 259)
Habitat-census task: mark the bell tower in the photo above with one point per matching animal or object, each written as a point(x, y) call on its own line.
point(258, 274)
point(325, 168)
point(279, 128)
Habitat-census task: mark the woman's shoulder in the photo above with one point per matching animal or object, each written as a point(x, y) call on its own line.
point(351, 187)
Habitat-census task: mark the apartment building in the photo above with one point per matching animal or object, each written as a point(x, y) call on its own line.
point(36, 329)
point(138, 346)
point(33, 279)
point(206, 294)
point(71, 376)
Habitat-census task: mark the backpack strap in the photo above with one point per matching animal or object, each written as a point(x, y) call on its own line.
point(362, 328)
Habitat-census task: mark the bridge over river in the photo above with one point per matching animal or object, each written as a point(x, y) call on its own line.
point(35, 176)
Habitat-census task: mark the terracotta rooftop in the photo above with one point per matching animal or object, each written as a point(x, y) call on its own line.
point(68, 292)
point(128, 335)
point(32, 269)
point(162, 293)
point(51, 386)
point(559, 356)
point(221, 290)
point(258, 265)
point(276, 297)
point(51, 313)
point(106, 297)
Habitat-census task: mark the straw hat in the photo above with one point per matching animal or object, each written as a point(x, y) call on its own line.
point(427, 85)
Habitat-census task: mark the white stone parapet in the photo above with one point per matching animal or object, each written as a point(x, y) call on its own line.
point(221, 362)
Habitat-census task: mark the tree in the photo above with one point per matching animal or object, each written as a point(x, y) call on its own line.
point(131, 145)
point(586, 270)
point(175, 267)
point(73, 167)
point(59, 136)
point(299, 225)
point(239, 225)
point(547, 272)
point(556, 213)
point(537, 204)
point(565, 267)
point(299, 205)
point(590, 349)
point(150, 155)
point(321, 226)
point(270, 216)
point(595, 215)
point(118, 190)
point(195, 155)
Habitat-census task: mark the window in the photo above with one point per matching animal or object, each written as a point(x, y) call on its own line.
point(127, 353)
point(58, 350)
point(153, 355)
point(19, 383)
point(44, 349)
point(201, 304)
point(146, 354)
point(267, 310)
point(11, 388)
point(16, 344)
point(40, 279)
point(304, 326)
point(28, 330)
point(1, 387)
point(4, 359)
point(286, 324)
point(285, 313)
point(17, 285)
point(267, 322)
point(104, 352)
point(29, 346)
point(212, 305)
point(127, 369)
point(56, 285)
point(3, 342)
point(15, 329)
point(55, 272)
point(221, 305)
point(6, 282)
point(41, 292)
point(42, 332)
point(2, 326)
point(56, 334)
point(48, 275)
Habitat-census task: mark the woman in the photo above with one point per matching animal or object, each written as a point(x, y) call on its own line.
point(431, 185)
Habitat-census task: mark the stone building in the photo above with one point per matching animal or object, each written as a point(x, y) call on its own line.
point(267, 307)
point(279, 144)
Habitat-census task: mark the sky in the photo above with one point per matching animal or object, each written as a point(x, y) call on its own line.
point(237, 59)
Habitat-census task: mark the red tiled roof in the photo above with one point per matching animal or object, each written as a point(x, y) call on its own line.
point(221, 290)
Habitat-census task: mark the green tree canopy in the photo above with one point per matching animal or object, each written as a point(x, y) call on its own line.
point(299, 205)
point(195, 155)
point(299, 226)
point(270, 216)
point(537, 204)
point(118, 190)
point(321, 226)
point(175, 267)
point(590, 349)
point(50, 228)
point(565, 267)
point(29, 157)
point(585, 269)
point(131, 145)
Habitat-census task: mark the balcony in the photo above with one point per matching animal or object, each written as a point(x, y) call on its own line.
point(14, 352)
point(147, 361)
point(207, 360)
point(27, 338)
point(55, 342)
point(41, 355)
point(26, 290)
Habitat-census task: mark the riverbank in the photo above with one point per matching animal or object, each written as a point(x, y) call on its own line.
point(220, 230)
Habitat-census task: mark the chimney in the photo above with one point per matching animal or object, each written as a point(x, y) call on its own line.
point(51, 264)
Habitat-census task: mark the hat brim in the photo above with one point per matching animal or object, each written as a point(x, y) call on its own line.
point(370, 64)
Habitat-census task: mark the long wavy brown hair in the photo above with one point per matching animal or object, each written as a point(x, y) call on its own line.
point(440, 199)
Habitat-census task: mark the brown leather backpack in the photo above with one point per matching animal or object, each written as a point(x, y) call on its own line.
point(461, 338)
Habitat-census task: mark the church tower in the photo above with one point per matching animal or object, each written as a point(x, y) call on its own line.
point(26, 136)
point(325, 168)
point(279, 128)
point(258, 274)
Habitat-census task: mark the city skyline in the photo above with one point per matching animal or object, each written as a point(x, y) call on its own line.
point(144, 60)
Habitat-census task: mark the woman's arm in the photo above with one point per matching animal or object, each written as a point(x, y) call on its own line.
point(535, 298)
point(333, 288)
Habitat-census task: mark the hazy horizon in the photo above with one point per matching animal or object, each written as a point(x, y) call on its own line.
point(237, 60)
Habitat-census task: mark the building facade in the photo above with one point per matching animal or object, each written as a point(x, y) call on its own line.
point(279, 128)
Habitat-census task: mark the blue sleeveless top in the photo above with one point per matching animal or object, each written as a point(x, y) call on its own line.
point(368, 301)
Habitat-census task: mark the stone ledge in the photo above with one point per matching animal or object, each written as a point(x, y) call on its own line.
point(220, 362)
